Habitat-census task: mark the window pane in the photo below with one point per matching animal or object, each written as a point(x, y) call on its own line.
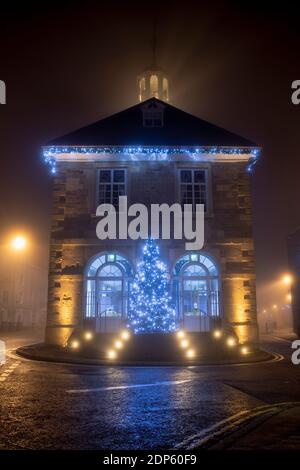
point(105, 176)
point(186, 176)
point(193, 187)
point(199, 176)
point(186, 194)
point(111, 186)
point(119, 176)
point(110, 270)
point(107, 193)
point(194, 270)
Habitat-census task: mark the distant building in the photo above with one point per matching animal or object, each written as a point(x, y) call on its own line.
point(294, 263)
point(153, 153)
point(23, 294)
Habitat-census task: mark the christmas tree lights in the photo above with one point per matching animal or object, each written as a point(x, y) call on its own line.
point(150, 307)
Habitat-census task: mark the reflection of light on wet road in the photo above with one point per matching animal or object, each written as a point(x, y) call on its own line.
point(134, 407)
point(2, 352)
point(8, 371)
point(124, 387)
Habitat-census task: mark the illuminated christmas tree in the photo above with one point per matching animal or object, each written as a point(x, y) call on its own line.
point(150, 303)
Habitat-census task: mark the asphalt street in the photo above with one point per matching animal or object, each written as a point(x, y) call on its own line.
point(63, 406)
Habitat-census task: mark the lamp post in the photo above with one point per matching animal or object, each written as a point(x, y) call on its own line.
point(287, 280)
point(17, 244)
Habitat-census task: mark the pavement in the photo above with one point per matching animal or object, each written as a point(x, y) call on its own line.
point(71, 406)
point(280, 432)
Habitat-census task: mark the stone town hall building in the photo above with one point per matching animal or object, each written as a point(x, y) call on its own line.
point(153, 153)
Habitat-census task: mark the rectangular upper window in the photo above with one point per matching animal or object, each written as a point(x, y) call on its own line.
point(153, 119)
point(193, 187)
point(111, 185)
point(153, 114)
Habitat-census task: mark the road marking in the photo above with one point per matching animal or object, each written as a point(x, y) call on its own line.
point(282, 339)
point(124, 387)
point(215, 433)
point(276, 358)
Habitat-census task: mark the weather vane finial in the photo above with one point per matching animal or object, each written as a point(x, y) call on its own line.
point(153, 81)
point(154, 42)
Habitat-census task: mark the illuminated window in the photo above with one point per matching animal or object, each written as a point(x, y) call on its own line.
point(165, 86)
point(154, 86)
point(196, 286)
point(112, 184)
point(106, 291)
point(193, 187)
point(142, 88)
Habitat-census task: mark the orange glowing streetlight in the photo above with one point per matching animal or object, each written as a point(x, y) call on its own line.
point(18, 243)
point(287, 279)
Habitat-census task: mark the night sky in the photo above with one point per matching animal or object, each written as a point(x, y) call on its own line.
point(67, 66)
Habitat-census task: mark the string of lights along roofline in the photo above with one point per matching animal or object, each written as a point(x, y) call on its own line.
point(50, 152)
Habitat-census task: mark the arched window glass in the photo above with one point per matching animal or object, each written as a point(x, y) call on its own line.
point(154, 86)
point(195, 270)
point(110, 270)
point(94, 266)
point(106, 292)
point(196, 284)
point(165, 85)
point(142, 86)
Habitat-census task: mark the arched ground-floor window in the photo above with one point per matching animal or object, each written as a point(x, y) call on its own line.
point(196, 292)
point(107, 279)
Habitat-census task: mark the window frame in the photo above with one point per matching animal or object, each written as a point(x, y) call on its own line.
point(213, 281)
point(208, 192)
point(111, 169)
point(91, 304)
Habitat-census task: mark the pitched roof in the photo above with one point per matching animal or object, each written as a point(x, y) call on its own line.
point(126, 129)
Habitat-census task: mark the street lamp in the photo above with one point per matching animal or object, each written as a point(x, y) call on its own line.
point(18, 243)
point(287, 279)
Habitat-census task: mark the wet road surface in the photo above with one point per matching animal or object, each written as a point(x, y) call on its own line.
point(58, 406)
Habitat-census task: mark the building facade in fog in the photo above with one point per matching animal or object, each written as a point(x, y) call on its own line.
point(152, 153)
point(294, 263)
point(23, 294)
